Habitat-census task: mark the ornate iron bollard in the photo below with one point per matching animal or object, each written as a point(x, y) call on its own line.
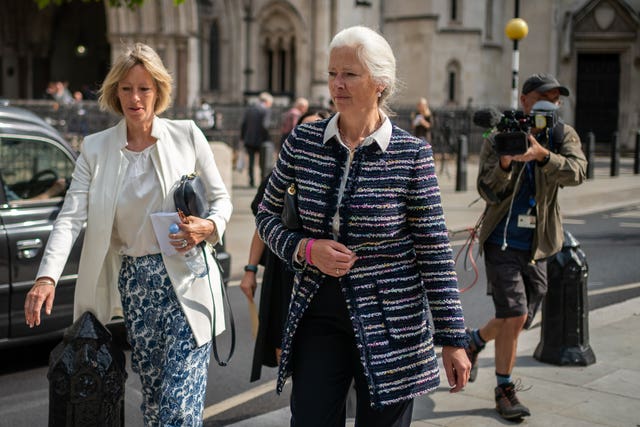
point(86, 377)
point(564, 337)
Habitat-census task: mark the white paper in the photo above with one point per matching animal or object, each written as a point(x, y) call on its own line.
point(161, 222)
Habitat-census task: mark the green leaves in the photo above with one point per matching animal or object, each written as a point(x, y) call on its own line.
point(131, 4)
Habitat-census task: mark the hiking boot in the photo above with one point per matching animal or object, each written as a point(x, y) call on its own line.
point(507, 404)
point(472, 353)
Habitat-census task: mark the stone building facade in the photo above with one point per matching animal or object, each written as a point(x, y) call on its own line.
point(453, 52)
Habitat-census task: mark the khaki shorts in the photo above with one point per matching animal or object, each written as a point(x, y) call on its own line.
point(516, 284)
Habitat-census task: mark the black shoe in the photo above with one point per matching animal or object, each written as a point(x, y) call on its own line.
point(472, 353)
point(507, 404)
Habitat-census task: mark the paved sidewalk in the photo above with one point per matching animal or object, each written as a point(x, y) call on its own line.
point(605, 393)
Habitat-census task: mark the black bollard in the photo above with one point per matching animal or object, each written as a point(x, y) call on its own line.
point(615, 155)
point(636, 155)
point(86, 377)
point(266, 158)
point(461, 172)
point(565, 310)
point(590, 148)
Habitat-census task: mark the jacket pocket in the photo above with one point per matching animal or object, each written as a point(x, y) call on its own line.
point(404, 310)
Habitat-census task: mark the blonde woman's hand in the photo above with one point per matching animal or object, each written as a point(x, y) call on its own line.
point(191, 233)
point(42, 293)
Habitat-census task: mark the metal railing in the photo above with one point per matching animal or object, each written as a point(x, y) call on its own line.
point(75, 121)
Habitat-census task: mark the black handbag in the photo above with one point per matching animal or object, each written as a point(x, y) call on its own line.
point(290, 215)
point(190, 198)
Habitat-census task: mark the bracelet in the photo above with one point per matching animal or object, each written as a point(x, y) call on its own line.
point(251, 267)
point(43, 281)
point(307, 251)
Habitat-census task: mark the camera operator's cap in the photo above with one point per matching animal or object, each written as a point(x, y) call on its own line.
point(542, 83)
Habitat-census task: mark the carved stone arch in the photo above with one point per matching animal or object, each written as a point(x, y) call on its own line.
point(221, 64)
point(281, 39)
point(601, 59)
point(613, 17)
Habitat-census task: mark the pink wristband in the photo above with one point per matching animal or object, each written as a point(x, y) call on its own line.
point(307, 251)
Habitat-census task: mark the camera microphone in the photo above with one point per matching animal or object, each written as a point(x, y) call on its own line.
point(487, 118)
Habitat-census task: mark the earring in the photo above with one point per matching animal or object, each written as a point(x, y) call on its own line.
point(379, 94)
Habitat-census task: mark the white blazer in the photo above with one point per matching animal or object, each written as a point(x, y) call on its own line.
point(96, 183)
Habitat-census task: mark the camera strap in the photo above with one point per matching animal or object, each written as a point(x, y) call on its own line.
point(557, 135)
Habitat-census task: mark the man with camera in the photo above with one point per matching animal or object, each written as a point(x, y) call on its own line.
point(522, 166)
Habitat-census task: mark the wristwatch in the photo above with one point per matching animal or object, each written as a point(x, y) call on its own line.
point(546, 159)
point(251, 267)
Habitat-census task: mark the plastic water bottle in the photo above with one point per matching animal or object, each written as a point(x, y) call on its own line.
point(193, 257)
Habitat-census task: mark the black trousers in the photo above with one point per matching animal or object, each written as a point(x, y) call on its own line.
point(325, 360)
point(252, 152)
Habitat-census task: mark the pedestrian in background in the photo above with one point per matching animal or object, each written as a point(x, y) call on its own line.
point(372, 257)
point(255, 130)
point(521, 228)
point(291, 116)
point(124, 174)
point(60, 93)
point(421, 120)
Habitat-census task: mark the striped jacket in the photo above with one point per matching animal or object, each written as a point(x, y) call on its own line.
point(392, 219)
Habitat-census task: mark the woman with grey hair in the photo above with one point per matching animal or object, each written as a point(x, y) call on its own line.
point(372, 257)
point(123, 175)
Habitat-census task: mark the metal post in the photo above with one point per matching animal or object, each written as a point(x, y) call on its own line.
point(514, 77)
point(564, 336)
point(590, 146)
point(515, 62)
point(461, 171)
point(636, 155)
point(615, 155)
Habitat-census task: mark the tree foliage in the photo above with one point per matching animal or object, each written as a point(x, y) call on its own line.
point(131, 4)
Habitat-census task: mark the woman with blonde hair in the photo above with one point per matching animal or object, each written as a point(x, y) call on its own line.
point(122, 176)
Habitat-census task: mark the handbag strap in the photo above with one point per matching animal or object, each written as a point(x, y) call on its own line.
point(225, 300)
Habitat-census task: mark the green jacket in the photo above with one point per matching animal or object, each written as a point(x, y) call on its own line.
point(566, 167)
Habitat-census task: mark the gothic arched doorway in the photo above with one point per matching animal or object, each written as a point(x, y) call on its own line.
point(66, 43)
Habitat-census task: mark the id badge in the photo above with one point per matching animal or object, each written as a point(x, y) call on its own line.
point(526, 221)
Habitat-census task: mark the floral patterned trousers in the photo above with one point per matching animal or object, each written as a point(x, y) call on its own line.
point(172, 369)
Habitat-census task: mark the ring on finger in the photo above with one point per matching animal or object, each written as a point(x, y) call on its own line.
point(183, 244)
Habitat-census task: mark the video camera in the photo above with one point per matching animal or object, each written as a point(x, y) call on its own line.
point(513, 127)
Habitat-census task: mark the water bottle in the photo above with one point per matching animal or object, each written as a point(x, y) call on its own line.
point(193, 257)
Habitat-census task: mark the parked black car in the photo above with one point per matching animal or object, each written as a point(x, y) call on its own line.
point(33, 158)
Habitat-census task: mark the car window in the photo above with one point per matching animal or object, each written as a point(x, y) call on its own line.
point(33, 169)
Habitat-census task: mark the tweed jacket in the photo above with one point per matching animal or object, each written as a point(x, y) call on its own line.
point(566, 167)
point(92, 197)
point(392, 218)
